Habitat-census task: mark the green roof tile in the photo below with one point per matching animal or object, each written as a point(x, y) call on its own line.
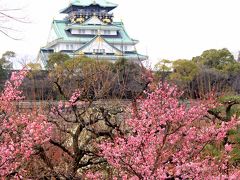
point(63, 35)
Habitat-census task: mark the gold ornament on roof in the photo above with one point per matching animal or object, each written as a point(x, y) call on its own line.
point(80, 20)
point(107, 20)
point(72, 20)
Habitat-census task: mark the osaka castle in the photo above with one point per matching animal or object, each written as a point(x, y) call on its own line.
point(88, 30)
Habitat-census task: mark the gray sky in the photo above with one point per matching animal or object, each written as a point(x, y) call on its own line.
point(168, 29)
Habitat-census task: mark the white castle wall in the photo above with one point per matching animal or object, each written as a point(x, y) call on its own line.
point(66, 46)
point(95, 32)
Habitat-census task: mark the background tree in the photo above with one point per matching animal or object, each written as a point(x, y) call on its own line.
point(209, 80)
point(184, 71)
point(214, 58)
point(122, 79)
point(95, 77)
point(35, 79)
point(6, 60)
point(213, 69)
point(163, 69)
point(55, 59)
point(5, 66)
point(131, 79)
point(219, 70)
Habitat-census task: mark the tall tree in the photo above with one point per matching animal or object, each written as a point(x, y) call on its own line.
point(184, 70)
point(215, 58)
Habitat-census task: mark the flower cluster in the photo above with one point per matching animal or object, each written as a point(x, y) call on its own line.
point(19, 132)
point(63, 105)
point(76, 94)
point(168, 140)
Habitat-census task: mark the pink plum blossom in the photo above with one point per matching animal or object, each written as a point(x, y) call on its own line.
point(19, 132)
point(168, 140)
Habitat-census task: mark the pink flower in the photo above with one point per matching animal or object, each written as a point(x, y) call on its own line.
point(75, 96)
point(228, 147)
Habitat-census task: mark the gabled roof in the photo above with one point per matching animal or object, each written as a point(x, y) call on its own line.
point(101, 41)
point(93, 20)
point(85, 3)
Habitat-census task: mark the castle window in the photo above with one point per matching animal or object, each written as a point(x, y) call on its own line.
point(67, 47)
point(107, 32)
point(102, 51)
point(81, 31)
point(94, 31)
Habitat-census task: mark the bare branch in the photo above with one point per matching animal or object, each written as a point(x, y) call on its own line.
point(14, 9)
point(13, 18)
point(60, 129)
point(6, 34)
point(8, 28)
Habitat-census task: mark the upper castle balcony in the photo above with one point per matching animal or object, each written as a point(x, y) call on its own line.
point(82, 15)
point(89, 13)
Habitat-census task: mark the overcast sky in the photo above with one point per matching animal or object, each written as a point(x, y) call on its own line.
point(166, 29)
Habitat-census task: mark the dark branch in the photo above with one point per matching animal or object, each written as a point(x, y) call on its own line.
point(6, 34)
point(61, 147)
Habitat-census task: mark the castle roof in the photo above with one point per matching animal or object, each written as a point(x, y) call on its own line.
point(86, 3)
point(62, 27)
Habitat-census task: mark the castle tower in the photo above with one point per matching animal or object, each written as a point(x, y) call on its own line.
point(89, 30)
